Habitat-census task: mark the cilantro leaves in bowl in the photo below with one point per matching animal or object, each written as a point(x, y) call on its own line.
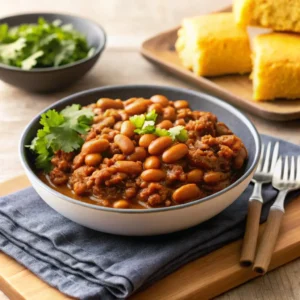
point(49, 55)
point(41, 45)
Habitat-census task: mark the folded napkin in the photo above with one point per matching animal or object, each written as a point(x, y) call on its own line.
point(87, 264)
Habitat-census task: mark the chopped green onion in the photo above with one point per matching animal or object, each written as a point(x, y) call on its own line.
point(151, 116)
point(161, 132)
point(138, 121)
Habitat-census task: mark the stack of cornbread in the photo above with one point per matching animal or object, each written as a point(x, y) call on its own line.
point(218, 44)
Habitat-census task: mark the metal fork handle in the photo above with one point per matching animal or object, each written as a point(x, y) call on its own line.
point(256, 194)
point(270, 235)
point(279, 202)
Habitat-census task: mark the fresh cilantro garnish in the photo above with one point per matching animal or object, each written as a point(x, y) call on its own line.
point(77, 118)
point(148, 127)
point(151, 116)
point(61, 131)
point(42, 45)
point(161, 132)
point(146, 124)
point(179, 133)
point(138, 121)
point(31, 61)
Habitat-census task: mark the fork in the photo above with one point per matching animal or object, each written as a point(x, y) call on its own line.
point(262, 175)
point(284, 182)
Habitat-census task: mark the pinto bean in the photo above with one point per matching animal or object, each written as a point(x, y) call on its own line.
point(152, 162)
point(129, 167)
point(139, 154)
point(214, 177)
point(180, 122)
point(93, 159)
point(127, 129)
point(121, 204)
point(186, 193)
point(175, 153)
point(157, 107)
point(106, 103)
point(118, 125)
point(166, 124)
point(124, 143)
point(240, 158)
point(146, 139)
point(153, 175)
point(181, 104)
point(137, 107)
point(162, 100)
point(130, 100)
point(169, 113)
point(124, 115)
point(195, 175)
point(94, 146)
point(157, 146)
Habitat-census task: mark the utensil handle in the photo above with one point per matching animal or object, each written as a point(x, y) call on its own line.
point(268, 241)
point(251, 233)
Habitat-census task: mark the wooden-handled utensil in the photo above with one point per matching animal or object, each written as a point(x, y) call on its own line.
point(285, 179)
point(263, 174)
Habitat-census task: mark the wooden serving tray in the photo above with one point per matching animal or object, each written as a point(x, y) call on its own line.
point(236, 89)
point(203, 278)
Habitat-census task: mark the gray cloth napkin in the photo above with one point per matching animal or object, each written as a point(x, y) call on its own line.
point(87, 264)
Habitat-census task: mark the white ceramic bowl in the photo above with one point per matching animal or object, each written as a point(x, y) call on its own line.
point(157, 220)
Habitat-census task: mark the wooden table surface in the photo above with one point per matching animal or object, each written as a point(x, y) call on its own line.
point(127, 24)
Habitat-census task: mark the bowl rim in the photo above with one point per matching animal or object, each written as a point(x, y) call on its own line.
point(97, 52)
point(71, 97)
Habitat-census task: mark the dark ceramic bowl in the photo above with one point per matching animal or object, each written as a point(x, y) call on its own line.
point(54, 78)
point(156, 220)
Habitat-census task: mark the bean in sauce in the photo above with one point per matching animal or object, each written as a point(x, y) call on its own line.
point(118, 168)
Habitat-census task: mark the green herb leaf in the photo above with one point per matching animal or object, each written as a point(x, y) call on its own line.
point(182, 136)
point(39, 146)
point(51, 118)
point(148, 127)
point(64, 138)
point(151, 116)
point(146, 124)
point(161, 132)
point(78, 119)
point(31, 61)
point(137, 121)
point(10, 52)
point(61, 131)
point(179, 133)
point(22, 46)
point(3, 31)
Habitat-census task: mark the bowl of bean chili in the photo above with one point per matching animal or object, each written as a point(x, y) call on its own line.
point(146, 160)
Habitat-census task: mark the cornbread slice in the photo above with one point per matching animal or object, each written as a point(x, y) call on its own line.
point(276, 66)
point(213, 45)
point(280, 15)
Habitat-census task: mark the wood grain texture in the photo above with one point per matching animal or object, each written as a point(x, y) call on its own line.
point(128, 23)
point(236, 89)
point(251, 233)
point(268, 241)
point(203, 278)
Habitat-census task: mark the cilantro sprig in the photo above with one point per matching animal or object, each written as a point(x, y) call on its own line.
point(41, 45)
point(61, 131)
point(145, 124)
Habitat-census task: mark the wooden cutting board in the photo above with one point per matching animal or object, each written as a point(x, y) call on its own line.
point(236, 89)
point(203, 278)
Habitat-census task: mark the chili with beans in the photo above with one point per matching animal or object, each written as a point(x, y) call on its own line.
point(117, 167)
